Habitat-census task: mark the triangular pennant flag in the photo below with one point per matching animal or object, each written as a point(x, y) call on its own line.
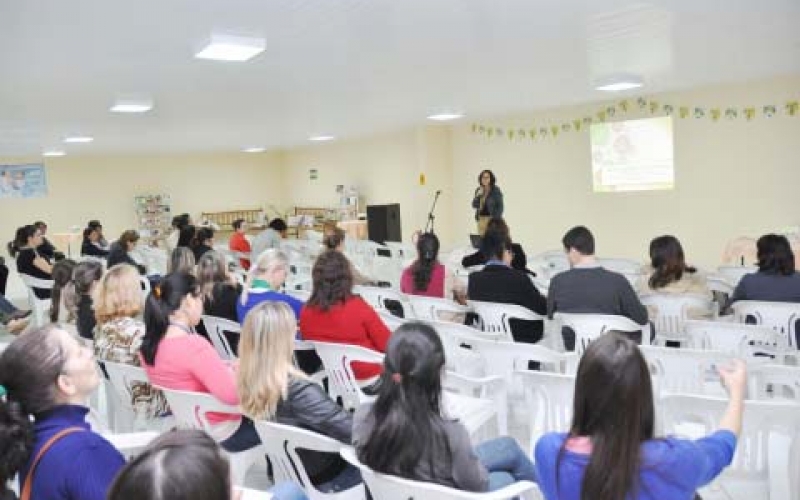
point(481, 129)
point(611, 111)
point(474, 127)
point(623, 105)
point(532, 134)
point(576, 124)
point(792, 107)
point(587, 120)
point(731, 113)
point(699, 112)
point(565, 127)
point(601, 115)
point(543, 132)
point(683, 112)
point(715, 114)
point(490, 132)
point(642, 102)
point(498, 131)
point(653, 106)
point(668, 109)
point(521, 132)
point(769, 111)
point(554, 130)
point(749, 113)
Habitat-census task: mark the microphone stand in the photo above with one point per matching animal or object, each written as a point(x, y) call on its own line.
point(431, 217)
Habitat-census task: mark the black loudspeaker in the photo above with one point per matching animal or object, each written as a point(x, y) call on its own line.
point(383, 223)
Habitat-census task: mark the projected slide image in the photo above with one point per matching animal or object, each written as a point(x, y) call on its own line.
point(633, 155)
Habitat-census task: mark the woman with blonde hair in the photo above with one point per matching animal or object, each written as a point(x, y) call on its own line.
point(265, 281)
point(119, 332)
point(271, 387)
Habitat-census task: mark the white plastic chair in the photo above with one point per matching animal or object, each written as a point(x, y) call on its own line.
point(673, 312)
point(755, 472)
point(40, 307)
point(431, 308)
point(401, 252)
point(282, 442)
point(145, 284)
point(549, 398)
point(302, 295)
point(621, 266)
point(121, 378)
point(336, 359)
point(734, 274)
point(780, 316)
point(191, 411)
point(588, 327)
point(391, 321)
point(386, 487)
point(685, 371)
point(377, 297)
point(216, 328)
point(774, 382)
point(739, 339)
point(495, 317)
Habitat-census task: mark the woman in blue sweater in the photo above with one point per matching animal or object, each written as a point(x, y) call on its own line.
point(46, 374)
point(611, 452)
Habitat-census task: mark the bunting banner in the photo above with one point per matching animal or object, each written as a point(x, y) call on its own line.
point(631, 109)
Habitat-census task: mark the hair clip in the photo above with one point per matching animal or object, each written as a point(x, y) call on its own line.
point(397, 378)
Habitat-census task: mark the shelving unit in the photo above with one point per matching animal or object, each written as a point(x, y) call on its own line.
point(153, 217)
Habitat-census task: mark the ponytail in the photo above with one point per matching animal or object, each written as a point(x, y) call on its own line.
point(164, 299)
point(62, 278)
point(427, 254)
point(16, 439)
point(24, 233)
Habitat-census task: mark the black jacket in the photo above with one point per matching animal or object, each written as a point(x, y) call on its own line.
point(502, 284)
point(118, 255)
point(518, 261)
point(309, 407)
point(89, 248)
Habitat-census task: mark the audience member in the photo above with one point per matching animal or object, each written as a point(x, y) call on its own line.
point(181, 260)
point(3, 276)
point(270, 237)
point(588, 288)
point(96, 226)
point(270, 387)
point(187, 236)
point(203, 242)
point(220, 292)
point(499, 282)
point(62, 277)
point(238, 242)
point(334, 314)
point(46, 248)
point(91, 244)
point(333, 239)
point(614, 423)
point(121, 249)
point(427, 276)
point(178, 223)
point(404, 433)
point(175, 358)
point(46, 378)
point(119, 333)
point(78, 296)
point(27, 239)
point(776, 279)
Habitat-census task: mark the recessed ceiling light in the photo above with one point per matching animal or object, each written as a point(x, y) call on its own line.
point(321, 138)
point(444, 117)
point(232, 48)
point(132, 106)
point(78, 139)
point(618, 83)
point(254, 150)
point(54, 153)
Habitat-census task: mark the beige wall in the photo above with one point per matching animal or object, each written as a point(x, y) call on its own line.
point(732, 177)
point(88, 187)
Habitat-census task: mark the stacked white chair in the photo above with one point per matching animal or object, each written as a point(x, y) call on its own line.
point(386, 487)
point(780, 316)
point(377, 297)
point(588, 327)
point(685, 371)
point(494, 317)
point(673, 312)
point(40, 307)
point(774, 382)
point(216, 328)
point(122, 414)
point(282, 442)
point(745, 341)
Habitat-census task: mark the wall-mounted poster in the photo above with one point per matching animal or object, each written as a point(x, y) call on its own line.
point(23, 181)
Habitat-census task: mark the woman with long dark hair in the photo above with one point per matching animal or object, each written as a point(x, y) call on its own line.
point(426, 276)
point(776, 279)
point(611, 452)
point(203, 242)
point(175, 358)
point(29, 262)
point(668, 271)
point(78, 296)
point(62, 277)
point(487, 201)
point(406, 433)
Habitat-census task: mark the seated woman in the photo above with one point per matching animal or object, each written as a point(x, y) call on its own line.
point(184, 465)
point(120, 251)
point(91, 245)
point(178, 223)
point(203, 242)
point(28, 261)
point(404, 433)
point(78, 296)
point(175, 358)
point(119, 333)
point(426, 276)
point(220, 292)
point(614, 423)
point(186, 236)
point(334, 314)
point(270, 387)
point(333, 239)
point(46, 378)
point(776, 279)
point(62, 278)
point(181, 260)
point(668, 273)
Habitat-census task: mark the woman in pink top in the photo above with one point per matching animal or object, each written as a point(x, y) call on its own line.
point(175, 358)
point(426, 276)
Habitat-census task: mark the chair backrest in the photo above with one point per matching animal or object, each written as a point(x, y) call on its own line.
point(495, 317)
point(673, 311)
point(769, 381)
point(282, 442)
point(733, 274)
point(40, 307)
point(752, 461)
point(145, 285)
point(386, 487)
point(336, 359)
point(430, 308)
point(377, 297)
point(780, 316)
point(391, 321)
point(216, 328)
point(303, 295)
point(733, 338)
point(621, 266)
point(401, 251)
point(720, 284)
point(121, 377)
point(588, 327)
point(685, 371)
point(191, 409)
point(548, 397)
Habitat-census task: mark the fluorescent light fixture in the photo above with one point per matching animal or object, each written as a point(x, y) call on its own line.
point(53, 153)
point(619, 83)
point(78, 139)
point(132, 106)
point(254, 150)
point(444, 117)
point(232, 48)
point(321, 138)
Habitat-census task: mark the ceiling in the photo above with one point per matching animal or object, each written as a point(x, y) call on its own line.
point(352, 68)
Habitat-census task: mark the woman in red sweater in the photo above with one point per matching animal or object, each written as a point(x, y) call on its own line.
point(334, 314)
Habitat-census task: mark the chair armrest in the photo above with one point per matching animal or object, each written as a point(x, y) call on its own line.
point(463, 384)
point(526, 489)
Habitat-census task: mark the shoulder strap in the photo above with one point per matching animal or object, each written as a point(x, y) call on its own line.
point(26, 488)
